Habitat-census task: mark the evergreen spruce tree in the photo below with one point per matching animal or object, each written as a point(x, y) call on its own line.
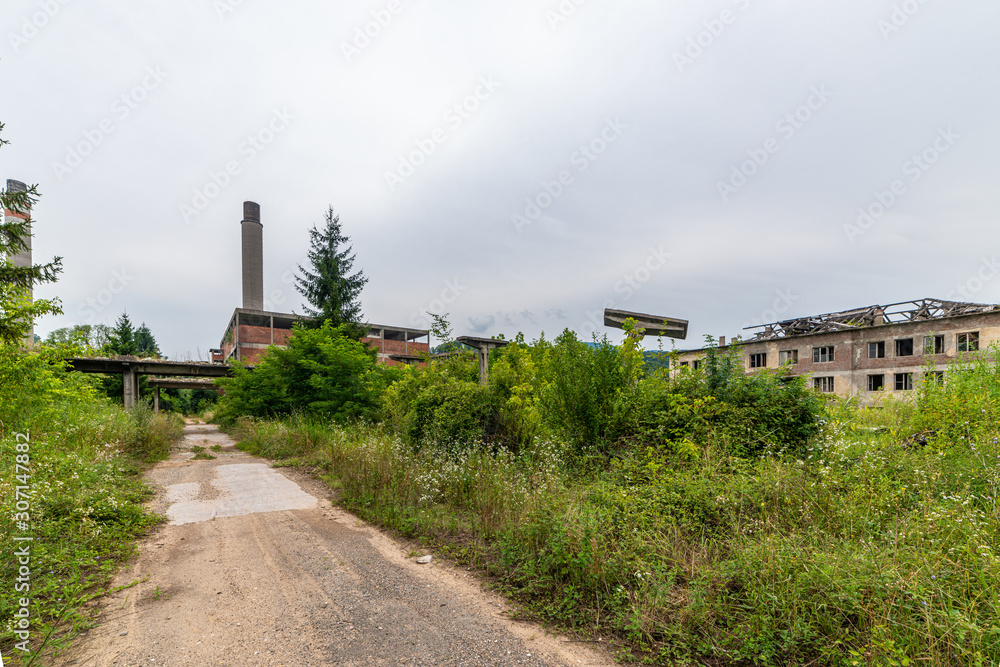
point(145, 343)
point(329, 287)
point(123, 336)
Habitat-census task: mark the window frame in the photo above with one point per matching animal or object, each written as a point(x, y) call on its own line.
point(824, 384)
point(818, 354)
point(879, 348)
point(896, 347)
point(931, 344)
point(788, 357)
point(970, 337)
point(881, 377)
point(755, 357)
point(903, 382)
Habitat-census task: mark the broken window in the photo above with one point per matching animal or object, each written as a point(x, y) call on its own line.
point(876, 350)
point(824, 384)
point(876, 382)
point(933, 344)
point(822, 354)
point(937, 377)
point(968, 342)
point(788, 357)
point(904, 347)
point(904, 381)
point(695, 364)
point(758, 360)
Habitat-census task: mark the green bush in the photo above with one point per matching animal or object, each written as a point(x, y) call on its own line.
point(86, 494)
point(590, 390)
point(322, 371)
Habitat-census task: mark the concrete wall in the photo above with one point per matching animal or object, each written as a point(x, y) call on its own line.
point(851, 365)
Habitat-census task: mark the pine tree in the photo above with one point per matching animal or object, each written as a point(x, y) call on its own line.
point(330, 289)
point(145, 343)
point(123, 336)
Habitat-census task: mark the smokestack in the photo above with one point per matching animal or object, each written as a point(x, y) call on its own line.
point(253, 257)
point(22, 258)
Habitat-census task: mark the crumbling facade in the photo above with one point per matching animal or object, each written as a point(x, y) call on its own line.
point(867, 350)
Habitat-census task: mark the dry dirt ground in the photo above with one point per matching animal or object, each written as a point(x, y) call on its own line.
point(256, 567)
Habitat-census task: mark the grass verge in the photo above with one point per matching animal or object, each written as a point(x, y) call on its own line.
point(868, 550)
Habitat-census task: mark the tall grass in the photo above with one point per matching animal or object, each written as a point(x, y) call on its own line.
point(85, 495)
point(868, 550)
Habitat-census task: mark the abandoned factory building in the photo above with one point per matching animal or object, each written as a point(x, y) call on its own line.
point(252, 329)
point(878, 348)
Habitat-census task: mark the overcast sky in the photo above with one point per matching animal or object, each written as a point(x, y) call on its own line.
point(519, 165)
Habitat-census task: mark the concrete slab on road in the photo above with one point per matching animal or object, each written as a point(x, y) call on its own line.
point(256, 567)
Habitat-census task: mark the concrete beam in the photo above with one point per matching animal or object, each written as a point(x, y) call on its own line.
point(483, 347)
point(654, 325)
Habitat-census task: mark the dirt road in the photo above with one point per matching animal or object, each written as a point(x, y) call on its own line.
point(257, 568)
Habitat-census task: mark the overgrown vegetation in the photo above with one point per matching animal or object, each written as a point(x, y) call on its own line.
point(80, 499)
point(704, 518)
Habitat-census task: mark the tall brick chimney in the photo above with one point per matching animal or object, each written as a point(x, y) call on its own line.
point(253, 257)
point(22, 258)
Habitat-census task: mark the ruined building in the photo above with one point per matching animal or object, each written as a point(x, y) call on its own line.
point(252, 329)
point(878, 348)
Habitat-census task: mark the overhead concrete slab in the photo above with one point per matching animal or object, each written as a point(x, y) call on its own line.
point(238, 489)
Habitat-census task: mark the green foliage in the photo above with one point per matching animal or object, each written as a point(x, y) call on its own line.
point(85, 335)
point(589, 390)
point(122, 340)
point(145, 343)
point(963, 406)
point(328, 286)
point(323, 371)
point(18, 311)
point(86, 493)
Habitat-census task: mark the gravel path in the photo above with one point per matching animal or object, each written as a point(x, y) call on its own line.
point(257, 568)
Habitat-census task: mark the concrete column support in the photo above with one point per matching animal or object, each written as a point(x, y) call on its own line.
point(129, 380)
point(156, 400)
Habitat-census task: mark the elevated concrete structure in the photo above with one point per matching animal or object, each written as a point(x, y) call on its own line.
point(483, 347)
point(655, 325)
point(130, 368)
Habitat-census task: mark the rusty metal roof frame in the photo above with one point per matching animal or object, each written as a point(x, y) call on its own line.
point(894, 313)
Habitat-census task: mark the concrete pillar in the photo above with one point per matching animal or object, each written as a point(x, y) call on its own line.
point(129, 383)
point(484, 364)
point(156, 399)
